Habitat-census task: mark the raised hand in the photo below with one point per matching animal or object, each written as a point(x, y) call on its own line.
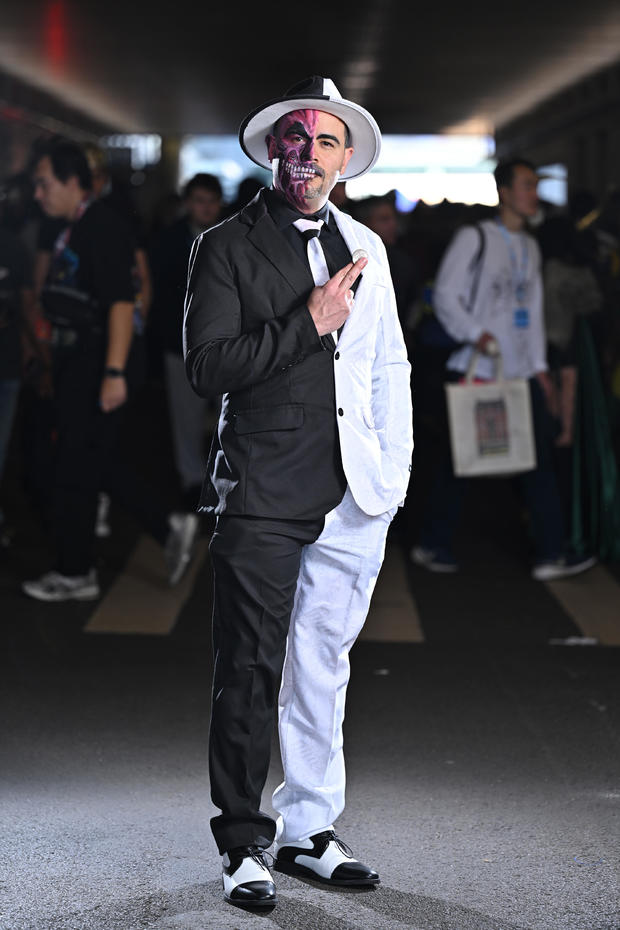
point(487, 344)
point(331, 304)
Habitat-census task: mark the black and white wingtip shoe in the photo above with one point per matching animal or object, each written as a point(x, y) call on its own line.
point(247, 880)
point(324, 858)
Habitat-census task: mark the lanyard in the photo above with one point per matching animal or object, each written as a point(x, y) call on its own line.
point(519, 275)
point(64, 236)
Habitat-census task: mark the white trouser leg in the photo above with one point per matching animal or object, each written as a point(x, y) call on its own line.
point(187, 419)
point(336, 580)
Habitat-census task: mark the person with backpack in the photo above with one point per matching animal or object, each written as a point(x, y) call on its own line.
point(488, 297)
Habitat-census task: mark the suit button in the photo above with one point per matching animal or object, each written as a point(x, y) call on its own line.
point(340, 412)
point(337, 356)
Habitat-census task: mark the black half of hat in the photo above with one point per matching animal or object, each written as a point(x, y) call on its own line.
point(321, 94)
point(310, 87)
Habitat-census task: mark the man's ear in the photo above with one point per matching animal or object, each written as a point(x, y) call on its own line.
point(270, 142)
point(346, 158)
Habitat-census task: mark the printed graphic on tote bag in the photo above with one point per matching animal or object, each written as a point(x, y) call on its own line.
point(492, 427)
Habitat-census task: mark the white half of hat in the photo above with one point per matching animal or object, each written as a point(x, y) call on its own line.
point(364, 131)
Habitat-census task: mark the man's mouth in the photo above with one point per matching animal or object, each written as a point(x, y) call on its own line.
point(302, 174)
point(299, 172)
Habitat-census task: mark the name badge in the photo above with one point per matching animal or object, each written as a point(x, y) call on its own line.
point(522, 318)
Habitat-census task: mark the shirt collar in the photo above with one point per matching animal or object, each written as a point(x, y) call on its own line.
point(284, 215)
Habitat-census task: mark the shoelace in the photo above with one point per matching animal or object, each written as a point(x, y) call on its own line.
point(259, 855)
point(331, 837)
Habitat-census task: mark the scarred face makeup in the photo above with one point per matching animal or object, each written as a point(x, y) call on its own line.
point(307, 153)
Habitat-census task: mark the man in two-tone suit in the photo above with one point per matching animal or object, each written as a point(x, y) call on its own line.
point(291, 318)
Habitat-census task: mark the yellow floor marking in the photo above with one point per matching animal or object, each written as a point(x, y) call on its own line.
point(393, 615)
point(593, 601)
point(140, 600)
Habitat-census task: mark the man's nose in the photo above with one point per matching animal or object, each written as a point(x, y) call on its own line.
point(308, 150)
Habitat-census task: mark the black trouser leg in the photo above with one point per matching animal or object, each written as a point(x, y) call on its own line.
point(78, 457)
point(441, 508)
point(89, 459)
point(255, 564)
point(132, 491)
point(539, 487)
point(127, 487)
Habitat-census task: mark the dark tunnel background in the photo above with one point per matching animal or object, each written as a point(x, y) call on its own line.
point(483, 717)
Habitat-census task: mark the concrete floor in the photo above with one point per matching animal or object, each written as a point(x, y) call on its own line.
point(483, 784)
point(483, 762)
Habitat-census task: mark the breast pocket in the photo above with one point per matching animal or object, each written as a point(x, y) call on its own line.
point(267, 419)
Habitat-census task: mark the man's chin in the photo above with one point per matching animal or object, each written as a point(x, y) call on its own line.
point(314, 193)
point(312, 204)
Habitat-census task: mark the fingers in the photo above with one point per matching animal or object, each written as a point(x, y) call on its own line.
point(349, 274)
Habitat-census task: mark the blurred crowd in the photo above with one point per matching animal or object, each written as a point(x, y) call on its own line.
point(91, 309)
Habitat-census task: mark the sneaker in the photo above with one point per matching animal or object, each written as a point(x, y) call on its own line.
point(102, 525)
point(562, 568)
point(180, 544)
point(246, 879)
point(434, 560)
point(56, 587)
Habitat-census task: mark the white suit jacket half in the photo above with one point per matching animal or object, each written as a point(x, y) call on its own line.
point(373, 383)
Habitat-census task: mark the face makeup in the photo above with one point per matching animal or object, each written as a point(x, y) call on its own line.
point(307, 153)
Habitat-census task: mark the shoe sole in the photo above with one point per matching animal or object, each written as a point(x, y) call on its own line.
point(418, 557)
point(249, 905)
point(57, 598)
point(439, 569)
point(302, 871)
point(565, 572)
point(436, 567)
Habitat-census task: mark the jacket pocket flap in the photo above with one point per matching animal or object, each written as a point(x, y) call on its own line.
point(289, 416)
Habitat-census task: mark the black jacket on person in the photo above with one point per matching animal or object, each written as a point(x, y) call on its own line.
point(169, 257)
point(249, 336)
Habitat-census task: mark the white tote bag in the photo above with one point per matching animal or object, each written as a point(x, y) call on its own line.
point(491, 431)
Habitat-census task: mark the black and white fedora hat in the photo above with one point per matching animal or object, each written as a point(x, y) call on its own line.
point(315, 93)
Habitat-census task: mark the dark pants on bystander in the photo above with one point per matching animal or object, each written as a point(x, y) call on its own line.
point(538, 488)
point(87, 459)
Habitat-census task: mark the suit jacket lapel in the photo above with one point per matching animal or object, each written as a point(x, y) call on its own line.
point(267, 238)
point(347, 230)
point(360, 288)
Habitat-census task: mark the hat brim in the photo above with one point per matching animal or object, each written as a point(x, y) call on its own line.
point(365, 134)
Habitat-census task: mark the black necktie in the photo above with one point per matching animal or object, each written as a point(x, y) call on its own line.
point(311, 230)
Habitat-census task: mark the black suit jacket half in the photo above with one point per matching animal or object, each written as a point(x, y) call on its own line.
point(249, 336)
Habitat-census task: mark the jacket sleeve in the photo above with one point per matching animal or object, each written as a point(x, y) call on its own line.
point(391, 386)
point(453, 285)
point(219, 355)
